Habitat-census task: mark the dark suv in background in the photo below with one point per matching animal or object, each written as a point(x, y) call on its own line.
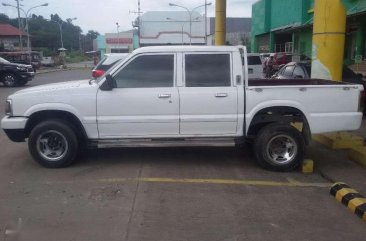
point(12, 74)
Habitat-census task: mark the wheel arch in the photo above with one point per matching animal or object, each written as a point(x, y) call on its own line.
point(70, 118)
point(279, 114)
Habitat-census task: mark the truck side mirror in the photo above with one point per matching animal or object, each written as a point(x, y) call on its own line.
point(108, 84)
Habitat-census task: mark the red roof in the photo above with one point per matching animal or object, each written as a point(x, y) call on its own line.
point(9, 30)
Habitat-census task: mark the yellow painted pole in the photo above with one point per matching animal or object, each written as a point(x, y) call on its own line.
point(220, 22)
point(328, 39)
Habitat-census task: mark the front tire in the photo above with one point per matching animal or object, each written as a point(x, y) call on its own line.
point(53, 144)
point(9, 80)
point(279, 147)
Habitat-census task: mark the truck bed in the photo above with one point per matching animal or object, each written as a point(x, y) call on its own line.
point(328, 105)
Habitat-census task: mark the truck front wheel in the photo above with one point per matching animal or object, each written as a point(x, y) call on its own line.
point(53, 144)
point(279, 147)
point(9, 80)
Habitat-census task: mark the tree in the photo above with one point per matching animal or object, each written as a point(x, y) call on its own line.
point(46, 34)
point(92, 34)
point(88, 40)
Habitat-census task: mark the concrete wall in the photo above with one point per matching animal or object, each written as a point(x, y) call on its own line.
point(303, 42)
point(284, 12)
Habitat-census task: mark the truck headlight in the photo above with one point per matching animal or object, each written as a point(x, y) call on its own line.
point(21, 68)
point(8, 108)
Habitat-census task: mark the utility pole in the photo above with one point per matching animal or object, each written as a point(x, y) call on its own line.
point(220, 22)
point(139, 12)
point(206, 22)
point(190, 12)
point(20, 28)
point(139, 16)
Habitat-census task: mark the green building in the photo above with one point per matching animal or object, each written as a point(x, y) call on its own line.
point(286, 26)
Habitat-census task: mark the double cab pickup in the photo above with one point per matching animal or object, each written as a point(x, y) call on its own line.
point(174, 96)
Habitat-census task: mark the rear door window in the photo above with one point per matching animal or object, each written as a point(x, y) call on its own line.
point(207, 70)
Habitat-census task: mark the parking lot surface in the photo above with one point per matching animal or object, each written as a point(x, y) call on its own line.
point(163, 194)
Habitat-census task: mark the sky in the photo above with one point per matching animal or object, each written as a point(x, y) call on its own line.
point(102, 15)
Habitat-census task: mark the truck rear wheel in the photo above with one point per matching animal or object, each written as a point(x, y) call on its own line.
point(279, 147)
point(53, 144)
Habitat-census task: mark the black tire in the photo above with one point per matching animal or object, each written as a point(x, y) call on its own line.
point(9, 79)
point(57, 136)
point(279, 147)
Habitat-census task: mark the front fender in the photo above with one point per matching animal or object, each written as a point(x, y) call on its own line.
point(53, 106)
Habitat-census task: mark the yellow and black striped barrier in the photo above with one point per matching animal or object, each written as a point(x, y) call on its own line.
point(350, 198)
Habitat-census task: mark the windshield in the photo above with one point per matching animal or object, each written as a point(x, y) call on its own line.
point(4, 61)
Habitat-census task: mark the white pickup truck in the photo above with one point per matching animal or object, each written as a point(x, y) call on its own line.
point(180, 96)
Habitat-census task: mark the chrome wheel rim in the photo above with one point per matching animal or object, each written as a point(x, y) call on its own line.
point(9, 80)
point(52, 145)
point(282, 149)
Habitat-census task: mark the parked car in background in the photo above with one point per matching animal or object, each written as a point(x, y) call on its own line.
point(23, 58)
point(280, 59)
point(12, 74)
point(254, 66)
point(300, 70)
point(47, 61)
point(107, 62)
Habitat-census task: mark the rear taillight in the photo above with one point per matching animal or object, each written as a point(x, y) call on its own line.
point(361, 103)
point(97, 73)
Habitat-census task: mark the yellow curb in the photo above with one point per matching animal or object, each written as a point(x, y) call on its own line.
point(349, 197)
point(307, 166)
point(358, 154)
point(354, 203)
point(298, 125)
point(343, 192)
point(339, 140)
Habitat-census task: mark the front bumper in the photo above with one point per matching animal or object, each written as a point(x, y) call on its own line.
point(26, 75)
point(14, 127)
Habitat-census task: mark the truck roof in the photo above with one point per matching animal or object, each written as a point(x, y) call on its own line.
point(177, 48)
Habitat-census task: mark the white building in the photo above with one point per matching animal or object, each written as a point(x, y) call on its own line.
point(171, 27)
point(121, 42)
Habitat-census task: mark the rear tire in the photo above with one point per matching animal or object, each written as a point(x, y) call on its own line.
point(279, 147)
point(53, 144)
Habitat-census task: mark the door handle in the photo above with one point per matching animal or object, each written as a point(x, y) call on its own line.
point(164, 96)
point(221, 95)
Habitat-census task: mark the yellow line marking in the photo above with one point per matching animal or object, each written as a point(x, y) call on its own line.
point(291, 182)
